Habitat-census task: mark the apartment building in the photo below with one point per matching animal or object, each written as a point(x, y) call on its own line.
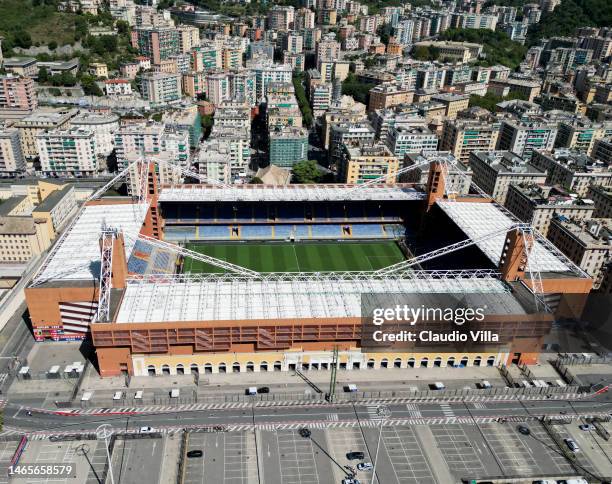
point(104, 127)
point(12, 161)
point(349, 112)
point(538, 204)
point(586, 243)
point(288, 146)
point(402, 139)
point(189, 37)
point(267, 72)
point(17, 92)
point(464, 136)
point(360, 164)
point(382, 119)
point(581, 134)
point(349, 134)
point(457, 179)
point(602, 150)
point(225, 158)
point(118, 87)
point(389, 95)
point(572, 170)
point(452, 102)
point(602, 198)
point(161, 87)
point(22, 237)
point(157, 43)
point(495, 171)
point(524, 137)
point(57, 208)
point(281, 17)
point(68, 152)
point(463, 20)
point(453, 51)
point(39, 121)
point(528, 90)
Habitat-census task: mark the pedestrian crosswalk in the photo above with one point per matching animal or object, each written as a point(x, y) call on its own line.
point(447, 410)
point(332, 417)
point(413, 410)
point(480, 405)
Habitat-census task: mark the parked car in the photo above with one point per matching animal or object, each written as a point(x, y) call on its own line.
point(351, 480)
point(146, 430)
point(523, 429)
point(304, 432)
point(355, 455)
point(195, 453)
point(364, 466)
point(263, 390)
point(572, 445)
point(586, 427)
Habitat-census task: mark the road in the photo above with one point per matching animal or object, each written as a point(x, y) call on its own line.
point(16, 418)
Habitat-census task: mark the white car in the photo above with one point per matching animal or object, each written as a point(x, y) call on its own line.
point(146, 430)
point(364, 466)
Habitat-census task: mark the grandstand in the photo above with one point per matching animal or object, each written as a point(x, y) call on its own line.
point(295, 262)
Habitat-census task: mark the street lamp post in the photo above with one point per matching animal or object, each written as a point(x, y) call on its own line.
point(383, 413)
point(104, 431)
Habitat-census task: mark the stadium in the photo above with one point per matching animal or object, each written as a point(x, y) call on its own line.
point(212, 278)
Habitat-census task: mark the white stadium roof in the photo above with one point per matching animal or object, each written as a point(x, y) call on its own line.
point(77, 255)
point(295, 193)
point(478, 219)
point(231, 297)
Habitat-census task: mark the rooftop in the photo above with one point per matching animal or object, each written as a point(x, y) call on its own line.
point(17, 225)
point(507, 162)
point(478, 219)
point(322, 295)
point(76, 256)
point(593, 233)
point(259, 193)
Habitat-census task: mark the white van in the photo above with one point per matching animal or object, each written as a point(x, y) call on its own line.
point(117, 395)
point(439, 385)
point(86, 396)
point(138, 395)
point(526, 384)
point(251, 391)
point(485, 384)
point(174, 393)
point(351, 387)
point(560, 383)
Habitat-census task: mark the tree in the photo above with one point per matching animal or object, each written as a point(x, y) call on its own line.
point(43, 75)
point(22, 39)
point(89, 85)
point(357, 89)
point(302, 100)
point(306, 172)
point(52, 45)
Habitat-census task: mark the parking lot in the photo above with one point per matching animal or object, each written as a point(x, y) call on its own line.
point(229, 458)
point(7, 450)
point(66, 452)
point(137, 460)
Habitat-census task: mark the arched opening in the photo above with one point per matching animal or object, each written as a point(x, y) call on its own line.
point(370, 364)
point(194, 369)
point(263, 366)
point(464, 361)
point(180, 369)
point(477, 361)
point(314, 366)
point(424, 362)
point(305, 366)
point(208, 368)
point(411, 362)
point(278, 366)
point(397, 363)
point(438, 362)
point(490, 360)
point(151, 370)
point(165, 370)
point(324, 366)
point(451, 362)
point(236, 367)
point(356, 365)
point(384, 363)
point(222, 368)
point(250, 367)
point(343, 366)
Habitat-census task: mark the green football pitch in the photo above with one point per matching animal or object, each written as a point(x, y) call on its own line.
point(300, 257)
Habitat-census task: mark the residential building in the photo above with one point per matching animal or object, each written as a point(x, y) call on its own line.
point(39, 121)
point(118, 87)
point(57, 208)
point(349, 134)
point(464, 136)
point(581, 134)
point(602, 150)
point(539, 204)
point(12, 161)
point(389, 95)
point(572, 170)
point(360, 164)
point(495, 171)
point(161, 87)
point(523, 137)
point(157, 43)
point(22, 237)
point(457, 177)
point(189, 37)
point(288, 145)
point(528, 90)
point(602, 198)
point(281, 17)
point(462, 20)
point(452, 102)
point(586, 243)
point(382, 119)
point(104, 127)
point(226, 157)
point(186, 119)
point(68, 152)
point(17, 92)
point(454, 51)
point(403, 139)
point(98, 69)
point(267, 72)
